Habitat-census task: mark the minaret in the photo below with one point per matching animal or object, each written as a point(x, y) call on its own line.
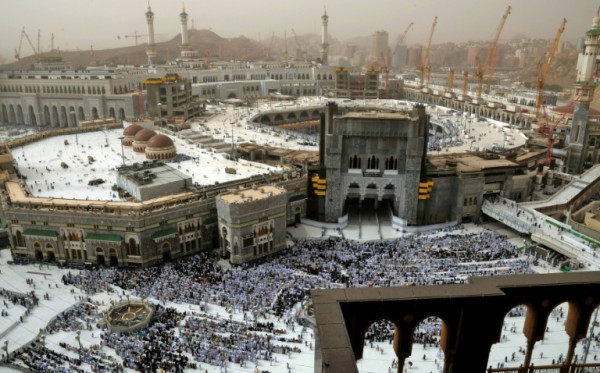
point(324, 44)
point(584, 93)
point(151, 47)
point(184, 33)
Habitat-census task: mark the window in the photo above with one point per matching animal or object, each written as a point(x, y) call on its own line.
point(70, 225)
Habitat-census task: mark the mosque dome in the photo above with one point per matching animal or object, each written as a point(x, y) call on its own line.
point(129, 133)
point(132, 130)
point(159, 141)
point(140, 139)
point(160, 147)
point(144, 135)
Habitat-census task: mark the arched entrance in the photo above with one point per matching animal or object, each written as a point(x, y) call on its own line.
point(20, 119)
point(50, 253)
point(32, 118)
point(100, 261)
point(4, 114)
point(166, 251)
point(39, 256)
point(114, 260)
point(47, 120)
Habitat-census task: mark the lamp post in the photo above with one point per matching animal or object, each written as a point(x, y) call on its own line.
point(122, 151)
point(76, 126)
point(159, 105)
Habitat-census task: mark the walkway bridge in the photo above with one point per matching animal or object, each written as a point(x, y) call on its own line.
point(533, 218)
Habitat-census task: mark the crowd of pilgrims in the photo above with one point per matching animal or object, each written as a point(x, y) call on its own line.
point(274, 287)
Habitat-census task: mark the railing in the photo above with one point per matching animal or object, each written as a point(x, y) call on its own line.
point(571, 368)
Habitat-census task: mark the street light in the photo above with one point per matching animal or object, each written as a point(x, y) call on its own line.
point(122, 151)
point(76, 126)
point(159, 105)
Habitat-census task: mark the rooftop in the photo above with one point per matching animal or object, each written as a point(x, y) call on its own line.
point(251, 194)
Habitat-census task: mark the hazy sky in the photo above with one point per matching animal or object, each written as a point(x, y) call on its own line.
point(81, 23)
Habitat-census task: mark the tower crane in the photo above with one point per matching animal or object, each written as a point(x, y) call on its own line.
point(401, 38)
point(465, 81)
point(18, 50)
point(544, 68)
point(450, 86)
point(135, 35)
point(479, 72)
point(425, 56)
point(490, 61)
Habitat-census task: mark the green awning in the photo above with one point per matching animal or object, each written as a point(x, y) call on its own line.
point(104, 237)
point(165, 232)
point(40, 232)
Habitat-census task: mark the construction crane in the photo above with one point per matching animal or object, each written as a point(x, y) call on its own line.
point(135, 35)
point(450, 86)
point(18, 50)
point(300, 52)
point(490, 62)
point(465, 81)
point(544, 68)
point(401, 38)
point(479, 73)
point(425, 56)
point(400, 41)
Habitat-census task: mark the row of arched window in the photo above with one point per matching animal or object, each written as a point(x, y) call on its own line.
point(60, 89)
point(303, 92)
point(390, 163)
point(53, 116)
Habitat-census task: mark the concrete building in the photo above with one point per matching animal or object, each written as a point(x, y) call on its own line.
point(170, 99)
point(252, 223)
point(152, 180)
point(370, 157)
point(126, 233)
point(64, 98)
point(363, 84)
point(380, 45)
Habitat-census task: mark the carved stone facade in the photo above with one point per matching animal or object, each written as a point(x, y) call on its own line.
point(252, 222)
point(374, 156)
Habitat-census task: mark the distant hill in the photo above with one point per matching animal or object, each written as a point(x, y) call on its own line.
point(202, 41)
